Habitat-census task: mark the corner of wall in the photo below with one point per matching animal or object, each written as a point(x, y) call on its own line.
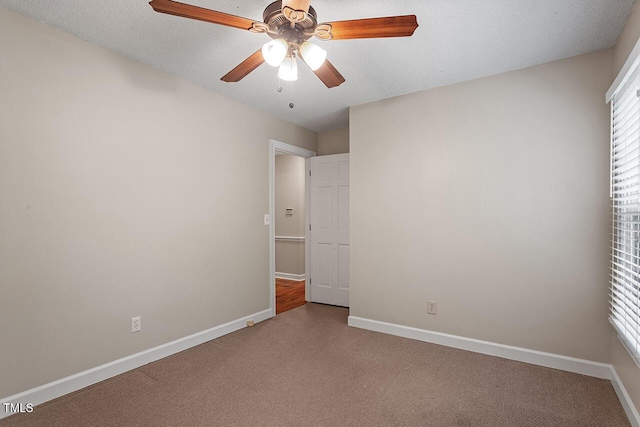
point(335, 141)
point(627, 40)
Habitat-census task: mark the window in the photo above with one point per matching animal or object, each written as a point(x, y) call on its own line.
point(625, 198)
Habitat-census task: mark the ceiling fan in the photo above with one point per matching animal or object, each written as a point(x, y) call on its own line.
point(290, 23)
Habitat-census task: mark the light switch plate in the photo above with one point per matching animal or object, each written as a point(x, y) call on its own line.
point(267, 219)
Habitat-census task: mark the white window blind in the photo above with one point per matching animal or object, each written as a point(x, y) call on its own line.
point(625, 197)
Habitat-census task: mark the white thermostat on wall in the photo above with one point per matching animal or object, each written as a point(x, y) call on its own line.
point(289, 212)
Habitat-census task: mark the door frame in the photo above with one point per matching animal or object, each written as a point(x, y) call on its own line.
point(282, 147)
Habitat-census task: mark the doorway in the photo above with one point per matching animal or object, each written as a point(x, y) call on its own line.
point(289, 228)
point(290, 218)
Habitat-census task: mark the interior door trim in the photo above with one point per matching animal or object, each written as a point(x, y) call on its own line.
point(282, 147)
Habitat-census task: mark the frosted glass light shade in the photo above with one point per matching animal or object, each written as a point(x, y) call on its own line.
point(313, 55)
point(275, 51)
point(288, 69)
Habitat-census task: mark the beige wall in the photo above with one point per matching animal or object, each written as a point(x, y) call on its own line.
point(123, 192)
point(289, 258)
point(489, 197)
point(334, 141)
point(627, 40)
point(626, 368)
point(289, 193)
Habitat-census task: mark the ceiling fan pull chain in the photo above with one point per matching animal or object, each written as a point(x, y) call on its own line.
point(291, 104)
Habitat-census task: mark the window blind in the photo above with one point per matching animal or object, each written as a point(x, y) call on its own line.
point(625, 197)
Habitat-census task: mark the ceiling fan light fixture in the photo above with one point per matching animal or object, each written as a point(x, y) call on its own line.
point(275, 51)
point(288, 70)
point(313, 55)
point(291, 23)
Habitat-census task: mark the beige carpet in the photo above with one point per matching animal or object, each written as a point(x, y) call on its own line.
point(305, 367)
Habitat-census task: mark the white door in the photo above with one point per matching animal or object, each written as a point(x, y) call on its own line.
point(329, 221)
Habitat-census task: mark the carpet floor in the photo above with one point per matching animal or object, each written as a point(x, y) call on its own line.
point(306, 367)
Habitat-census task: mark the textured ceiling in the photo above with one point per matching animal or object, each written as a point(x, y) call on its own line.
point(457, 40)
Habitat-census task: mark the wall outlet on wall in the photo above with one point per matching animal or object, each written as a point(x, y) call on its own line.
point(136, 324)
point(432, 307)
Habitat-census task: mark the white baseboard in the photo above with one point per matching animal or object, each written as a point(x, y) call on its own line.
point(86, 378)
point(550, 360)
point(290, 276)
point(625, 399)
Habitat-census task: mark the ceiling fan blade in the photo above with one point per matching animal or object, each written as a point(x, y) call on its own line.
point(194, 12)
point(390, 26)
point(244, 68)
point(329, 75)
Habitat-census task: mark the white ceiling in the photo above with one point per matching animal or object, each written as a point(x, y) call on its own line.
point(457, 40)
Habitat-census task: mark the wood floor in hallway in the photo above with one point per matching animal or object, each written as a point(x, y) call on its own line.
point(289, 294)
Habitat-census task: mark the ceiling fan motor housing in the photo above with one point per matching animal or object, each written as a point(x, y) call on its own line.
point(283, 28)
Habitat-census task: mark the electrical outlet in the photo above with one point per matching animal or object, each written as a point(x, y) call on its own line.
point(432, 307)
point(250, 323)
point(136, 324)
